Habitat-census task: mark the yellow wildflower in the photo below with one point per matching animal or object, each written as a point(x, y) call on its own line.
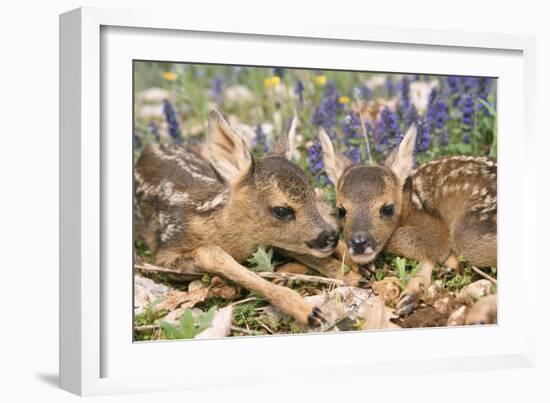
point(169, 76)
point(320, 80)
point(343, 100)
point(272, 81)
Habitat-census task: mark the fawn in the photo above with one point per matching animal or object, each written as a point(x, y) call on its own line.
point(205, 208)
point(437, 212)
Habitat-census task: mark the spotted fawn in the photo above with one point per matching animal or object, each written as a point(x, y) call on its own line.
point(436, 213)
point(206, 208)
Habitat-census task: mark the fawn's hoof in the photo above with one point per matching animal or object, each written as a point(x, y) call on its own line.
point(315, 318)
point(406, 304)
point(411, 295)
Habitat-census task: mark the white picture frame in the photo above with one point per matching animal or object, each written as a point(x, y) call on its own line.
point(92, 40)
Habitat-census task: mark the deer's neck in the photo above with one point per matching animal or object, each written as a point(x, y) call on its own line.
point(237, 222)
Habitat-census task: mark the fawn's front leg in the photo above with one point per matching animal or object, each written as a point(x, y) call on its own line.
point(214, 260)
point(426, 244)
point(415, 288)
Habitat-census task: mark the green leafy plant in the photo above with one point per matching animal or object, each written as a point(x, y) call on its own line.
point(403, 274)
point(262, 260)
point(345, 268)
point(149, 316)
point(189, 326)
point(458, 281)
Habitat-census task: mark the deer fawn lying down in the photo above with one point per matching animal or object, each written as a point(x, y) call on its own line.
point(208, 207)
point(443, 209)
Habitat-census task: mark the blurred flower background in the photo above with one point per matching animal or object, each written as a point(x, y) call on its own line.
point(366, 114)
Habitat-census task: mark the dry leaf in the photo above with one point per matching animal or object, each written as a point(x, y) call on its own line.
point(219, 288)
point(483, 311)
point(388, 289)
point(458, 317)
point(378, 316)
point(196, 285)
point(220, 326)
point(442, 304)
point(147, 291)
point(180, 300)
point(475, 291)
point(347, 302)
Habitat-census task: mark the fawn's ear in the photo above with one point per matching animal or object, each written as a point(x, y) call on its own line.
point(401, 159)
point(286, 145)
point(228, 150)
point(335, 163)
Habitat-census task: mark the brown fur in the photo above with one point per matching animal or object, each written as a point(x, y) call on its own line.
point(443, 209)
point(210, 213)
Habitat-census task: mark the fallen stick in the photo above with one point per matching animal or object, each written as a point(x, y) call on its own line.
point(243, 330)
point(484, 275)
point(145, 328)
point(151, 268)
point(301, 277)
point(146, 267)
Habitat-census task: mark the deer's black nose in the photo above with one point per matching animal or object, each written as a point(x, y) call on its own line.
point(360, 241)
point(325, 240)
point(331, 238)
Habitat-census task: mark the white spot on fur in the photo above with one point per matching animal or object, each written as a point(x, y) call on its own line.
point(185, 165)
point(214, 202)
point(416, 201)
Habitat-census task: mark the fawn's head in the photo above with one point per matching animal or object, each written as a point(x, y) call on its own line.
point(369, 198)
point(273, 197)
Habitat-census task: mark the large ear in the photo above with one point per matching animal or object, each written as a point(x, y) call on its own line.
point(335, 163)
point(286, 145)
point(227, 149)
point(401, 159)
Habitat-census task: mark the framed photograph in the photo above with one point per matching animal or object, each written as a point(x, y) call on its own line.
point(308, 200)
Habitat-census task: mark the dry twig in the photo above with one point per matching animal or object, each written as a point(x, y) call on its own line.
point(301, 277)
point(149, 268)
point(484, 275)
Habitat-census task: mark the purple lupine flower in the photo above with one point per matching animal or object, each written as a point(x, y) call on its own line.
point(154, 130)
point(351, 125)
point(172, 120)
point(438, 111)
point(299, 90)
point(410, 116)
point(423, 137)
point(364, 93)
point(404, 93)
point(315, 162)
point(454, 84)
point(470, 85)
point(217, 87)
point(326, 114)
point(260, 140)
point(468, 111)
point(388, 133)
point(279, 72)
point(485, 86)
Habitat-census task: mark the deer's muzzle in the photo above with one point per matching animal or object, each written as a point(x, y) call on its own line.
point(325, 242)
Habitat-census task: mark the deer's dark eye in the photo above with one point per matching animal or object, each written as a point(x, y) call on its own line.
point(283, 213)
point(341, 212)
point(387, 210)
